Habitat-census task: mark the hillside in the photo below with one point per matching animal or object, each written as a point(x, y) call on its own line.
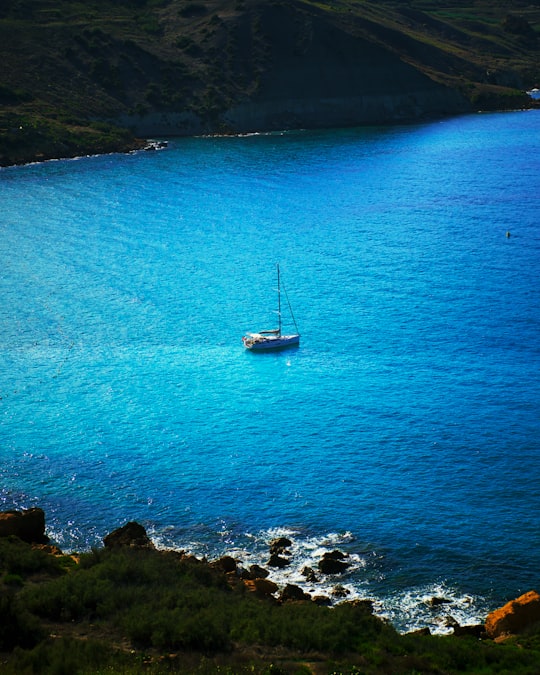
point(129, 608)
point(91, 77)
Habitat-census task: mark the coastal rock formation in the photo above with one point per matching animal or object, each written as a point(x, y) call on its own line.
point(258, 572)
point(280, 546)
point(333, 563)
point(262, 587)
point(28, 525)
point(129, 535)
point(340, 592)
point(293, 593)
point(514, 617)
point(309, 574)
point(476, 630)
point(226, 563)
point(276, 560)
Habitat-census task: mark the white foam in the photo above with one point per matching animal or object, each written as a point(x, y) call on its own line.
point(437, 606)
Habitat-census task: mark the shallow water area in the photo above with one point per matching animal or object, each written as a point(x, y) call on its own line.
point(404, 429)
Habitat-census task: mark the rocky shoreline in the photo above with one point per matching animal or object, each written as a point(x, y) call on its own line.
point(514, 618)
point(137, 133)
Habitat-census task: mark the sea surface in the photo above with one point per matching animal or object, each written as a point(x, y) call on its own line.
point(405, 429)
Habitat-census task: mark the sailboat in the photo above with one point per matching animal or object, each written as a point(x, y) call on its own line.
point(273, 338)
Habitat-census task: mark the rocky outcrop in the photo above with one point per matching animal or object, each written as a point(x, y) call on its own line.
point(131, 535)
point(309, 574)
point(262, 587)
point(333, 563)
point(293, 593)
point(28, 525)
point(339, 592)
point(276, 560)
point(515, 617)
point(280, 546)
point(226, 564)
point(258, 572)
point(477, 631)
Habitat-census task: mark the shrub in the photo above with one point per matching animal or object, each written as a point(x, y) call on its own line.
point(17, 626)
point(17, 557)
point(65, 656)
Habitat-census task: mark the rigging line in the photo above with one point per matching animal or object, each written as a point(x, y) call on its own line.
point(290, 308)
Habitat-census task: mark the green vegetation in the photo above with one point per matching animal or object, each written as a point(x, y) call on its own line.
point(66, 63)
point(142, 611)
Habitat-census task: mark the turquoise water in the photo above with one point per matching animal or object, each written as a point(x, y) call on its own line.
point(405, 430)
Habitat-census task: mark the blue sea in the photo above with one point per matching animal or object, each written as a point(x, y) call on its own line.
point(405, 429)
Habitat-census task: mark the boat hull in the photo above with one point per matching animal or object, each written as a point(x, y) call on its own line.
point(267, 343)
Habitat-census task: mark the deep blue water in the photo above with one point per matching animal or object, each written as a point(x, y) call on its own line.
point(405, 430)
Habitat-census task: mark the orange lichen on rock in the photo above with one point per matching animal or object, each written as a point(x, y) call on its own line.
point(514, 617)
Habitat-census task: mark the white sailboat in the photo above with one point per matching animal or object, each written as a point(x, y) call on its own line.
point(273, 338)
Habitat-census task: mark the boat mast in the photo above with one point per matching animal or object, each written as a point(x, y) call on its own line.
point(279, 300)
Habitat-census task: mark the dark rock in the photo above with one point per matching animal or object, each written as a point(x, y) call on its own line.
point(233, 579)
point(340, 592)
point(437, 602)
point(258, 572)
point(280, 545)
point(310, 575)
point(420, 631)
point(293, 592)
point(27, 525)
point(322, 600)
point(226, 563)
point(331, 565)
point(277, 561)
point(450, 622)
point(477, 631)
point(130, 535)
point(335, 555)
